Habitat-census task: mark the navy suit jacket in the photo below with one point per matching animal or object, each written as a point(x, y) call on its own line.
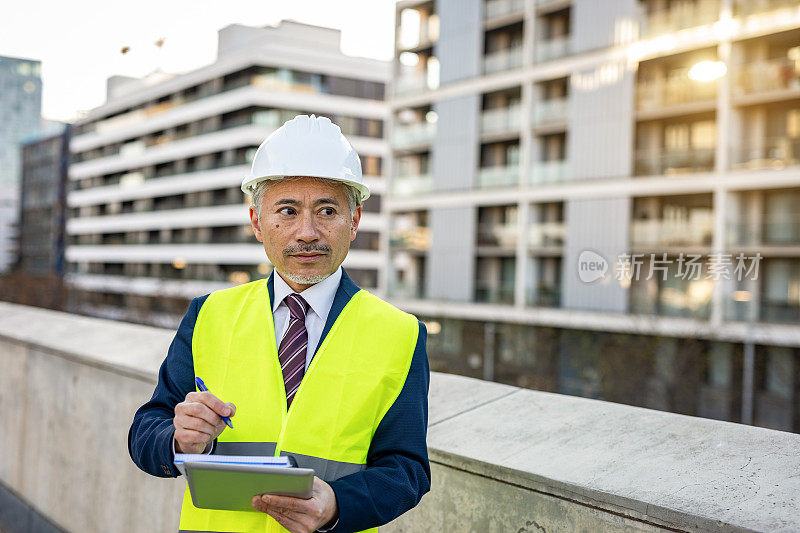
point(397, 474)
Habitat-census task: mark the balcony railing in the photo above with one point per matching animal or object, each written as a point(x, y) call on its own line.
point(675, 91)
point(772, 152)
point(553, 111)
point(280, 82)
point(782, 229)
point(745, 8)
point(768, 75)
point(502, 235)
point(413, 134)
point(780, 311)
point(499, 176)
point(679, 16)
point(545, 295)
point(488, 292)
point(411, 83)
point(657, 233)
point(543, 172)
point(553, 48)
point(501, 120)
point(546, 234)
point(411, 185)
point(501, 8)
point(416, 238)
point(406, 290)
point(508, 59)
point(677, 161)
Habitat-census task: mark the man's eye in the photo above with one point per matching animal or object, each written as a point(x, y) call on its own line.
point(329, 210)
point(287, 211)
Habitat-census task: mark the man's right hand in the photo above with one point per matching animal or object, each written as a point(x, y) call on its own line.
point(198, 421)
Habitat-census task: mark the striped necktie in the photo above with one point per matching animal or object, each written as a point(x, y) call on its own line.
point(292, 351)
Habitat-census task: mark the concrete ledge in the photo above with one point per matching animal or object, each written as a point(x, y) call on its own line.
point(503, 458)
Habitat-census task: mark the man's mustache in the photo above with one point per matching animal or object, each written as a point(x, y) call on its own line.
point(306, 249)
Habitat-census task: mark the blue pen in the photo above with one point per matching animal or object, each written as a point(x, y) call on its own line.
point(203, 388)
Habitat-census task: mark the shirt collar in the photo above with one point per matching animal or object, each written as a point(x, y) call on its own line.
point(319, 296)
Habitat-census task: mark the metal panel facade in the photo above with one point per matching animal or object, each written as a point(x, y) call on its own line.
point(451, 264)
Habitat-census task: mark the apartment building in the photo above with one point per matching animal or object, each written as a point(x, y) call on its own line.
point(156, 213)
point(42, 220)
point(20, 109)
point(601, 198)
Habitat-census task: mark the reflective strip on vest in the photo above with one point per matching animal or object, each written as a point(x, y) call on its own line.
point(323, 468)
point(245, 448)
point(354, 378)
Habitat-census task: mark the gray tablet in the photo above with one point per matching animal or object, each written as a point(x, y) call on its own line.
point(231, 487)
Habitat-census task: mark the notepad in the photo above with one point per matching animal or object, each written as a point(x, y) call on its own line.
point(229, 482)
point(181, 458)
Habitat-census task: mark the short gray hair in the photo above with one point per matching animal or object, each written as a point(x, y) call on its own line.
point(353, 196)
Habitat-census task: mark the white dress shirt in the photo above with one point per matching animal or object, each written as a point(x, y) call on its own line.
point(320, 299)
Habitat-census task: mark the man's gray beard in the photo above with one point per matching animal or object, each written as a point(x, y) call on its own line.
point(304, 280)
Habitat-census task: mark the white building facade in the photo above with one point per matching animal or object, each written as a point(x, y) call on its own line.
point(156, 215)
point(538, 142)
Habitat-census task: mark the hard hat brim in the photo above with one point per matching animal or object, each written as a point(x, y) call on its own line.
point(249, 183)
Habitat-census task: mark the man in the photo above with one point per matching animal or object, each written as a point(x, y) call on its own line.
point(308, 364)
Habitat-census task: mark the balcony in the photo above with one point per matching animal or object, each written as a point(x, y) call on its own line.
point(543, 172)
point(407, 83)
point(504, 119)
point(777, 230)
point(544, 296)
point(508, 59)
point(772, 152)
point(680, 16)
point(698, 231)
point(746, 8)
point(282, 81)
point(546, 235)
point(417, 134)
point(553, 48)
point(408, 291)
point(549, 112)
point(412, 185)
point(500, 235)
point(672, 162)
point(768, 75)
point(672, 92)
point(416, 238)
point(779, 311)
point(496, 9)
point(488, 292)
point(499, 176)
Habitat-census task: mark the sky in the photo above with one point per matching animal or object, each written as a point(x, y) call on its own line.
point(79, 41)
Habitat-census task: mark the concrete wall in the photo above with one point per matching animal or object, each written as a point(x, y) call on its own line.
point(69, 386)
point(503, 458)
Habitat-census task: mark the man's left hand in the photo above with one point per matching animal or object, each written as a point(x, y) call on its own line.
point(299, 515)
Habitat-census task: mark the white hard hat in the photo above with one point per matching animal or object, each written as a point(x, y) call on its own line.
point(307, 146)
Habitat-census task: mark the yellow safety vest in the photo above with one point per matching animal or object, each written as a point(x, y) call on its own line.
point(355, 376)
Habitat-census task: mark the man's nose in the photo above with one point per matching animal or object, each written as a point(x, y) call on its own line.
point(307, 231)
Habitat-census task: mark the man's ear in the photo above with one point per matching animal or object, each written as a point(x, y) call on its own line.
point(354, 222)
point(254, 223)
